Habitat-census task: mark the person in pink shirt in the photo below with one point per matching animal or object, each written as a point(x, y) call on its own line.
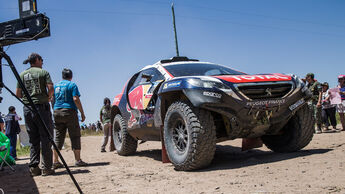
point(341, 107)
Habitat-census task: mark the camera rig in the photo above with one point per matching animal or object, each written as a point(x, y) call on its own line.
point(30, 26)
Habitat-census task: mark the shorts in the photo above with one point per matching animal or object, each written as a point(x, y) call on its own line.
point(341, 107)
point(67, 119)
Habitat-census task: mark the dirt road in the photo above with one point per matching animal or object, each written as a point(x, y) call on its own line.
point(319, 168)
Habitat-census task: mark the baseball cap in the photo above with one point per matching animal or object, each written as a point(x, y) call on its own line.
point(310, 74)
point(341, 76)
point(32, 58)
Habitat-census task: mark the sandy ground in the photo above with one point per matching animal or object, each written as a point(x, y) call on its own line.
point(319, 168)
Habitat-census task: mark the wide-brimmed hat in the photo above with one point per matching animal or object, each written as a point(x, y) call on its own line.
point(325, 84)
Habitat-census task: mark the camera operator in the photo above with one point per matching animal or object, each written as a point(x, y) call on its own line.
point(40, 87)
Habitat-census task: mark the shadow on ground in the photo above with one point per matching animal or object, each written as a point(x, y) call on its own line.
point(19, 181)
point(91, 164)
point(230, 157)
point(78, 171)
point(154, 154)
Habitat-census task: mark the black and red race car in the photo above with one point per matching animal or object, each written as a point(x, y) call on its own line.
point(192, 105)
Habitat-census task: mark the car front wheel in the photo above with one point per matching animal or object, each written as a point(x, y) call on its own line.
point(189, 136)
point(296, 134)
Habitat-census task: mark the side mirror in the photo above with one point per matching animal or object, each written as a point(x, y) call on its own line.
point(147, 77)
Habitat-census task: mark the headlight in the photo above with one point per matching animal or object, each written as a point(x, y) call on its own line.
point(299, 83)
point(207, 83)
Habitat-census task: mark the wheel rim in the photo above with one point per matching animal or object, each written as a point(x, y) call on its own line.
point(180, 134)
point(117, 132)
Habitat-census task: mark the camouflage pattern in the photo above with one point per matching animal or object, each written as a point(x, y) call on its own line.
point(315, 89)
point(317, 112)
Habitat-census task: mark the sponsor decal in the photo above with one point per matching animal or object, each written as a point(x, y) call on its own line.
point(148, 95)
point(132, 120)
point(268, 91)
point(297, 104)
point(254, 78)
point(212, 94)
point(164, 72)
point(144, 118)
point(136, 97)
point(117, 100)
point(266, 102)
point(173, 84)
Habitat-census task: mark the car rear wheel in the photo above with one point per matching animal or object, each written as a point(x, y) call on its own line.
point(125, 144)
point(189, 136)
point(296, 134)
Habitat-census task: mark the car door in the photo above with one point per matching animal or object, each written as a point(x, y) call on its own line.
point(141, 104)
point(141, 92)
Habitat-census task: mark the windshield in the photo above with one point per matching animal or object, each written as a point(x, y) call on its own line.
point(200, 69)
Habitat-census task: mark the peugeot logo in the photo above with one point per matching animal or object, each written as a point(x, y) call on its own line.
point(269, 91)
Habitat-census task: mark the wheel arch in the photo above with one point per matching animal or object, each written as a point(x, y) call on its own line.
point(114, 111)
point(167, 98)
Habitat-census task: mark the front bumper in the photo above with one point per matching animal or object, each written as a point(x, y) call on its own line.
point(245, 118)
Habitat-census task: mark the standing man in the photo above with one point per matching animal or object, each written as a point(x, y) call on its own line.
point(66, 106)
point(105, 117)
point(315, 88)
point(12, 129)
point(40, 87)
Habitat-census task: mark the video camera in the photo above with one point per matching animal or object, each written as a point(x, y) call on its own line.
point(30, 26)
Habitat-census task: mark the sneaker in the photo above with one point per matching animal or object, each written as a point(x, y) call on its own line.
point(80, 163)
point(103, 150)
point(35, 171)
point(47, 172)
point(57, 165)
point(318, 132)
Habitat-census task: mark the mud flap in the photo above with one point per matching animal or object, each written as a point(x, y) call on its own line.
point(165, 158)
point(250, 143)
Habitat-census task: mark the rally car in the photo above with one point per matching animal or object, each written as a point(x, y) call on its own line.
point(192, 105)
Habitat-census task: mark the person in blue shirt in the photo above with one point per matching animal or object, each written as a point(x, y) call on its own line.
point(12, 129)
point(66, 106)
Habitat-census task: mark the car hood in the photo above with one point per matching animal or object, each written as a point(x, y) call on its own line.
point(254, 78)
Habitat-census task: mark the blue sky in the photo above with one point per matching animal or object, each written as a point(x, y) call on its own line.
point(104, 42)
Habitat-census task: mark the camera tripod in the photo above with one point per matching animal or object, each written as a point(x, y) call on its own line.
point(31, 106)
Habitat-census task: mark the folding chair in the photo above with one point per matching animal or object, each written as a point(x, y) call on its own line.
point(2, 149)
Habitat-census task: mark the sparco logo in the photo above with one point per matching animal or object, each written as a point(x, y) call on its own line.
point(212, 94)
point(268, 91)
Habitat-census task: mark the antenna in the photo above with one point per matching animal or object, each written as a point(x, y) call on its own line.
point(176, 44)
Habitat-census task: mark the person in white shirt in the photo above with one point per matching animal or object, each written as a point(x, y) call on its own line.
point(328, 109)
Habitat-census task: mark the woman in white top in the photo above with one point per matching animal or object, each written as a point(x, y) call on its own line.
point(328, 109)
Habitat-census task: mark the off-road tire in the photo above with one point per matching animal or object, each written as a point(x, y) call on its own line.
point(201, 133)
point(125, 144)
point(296, 134)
